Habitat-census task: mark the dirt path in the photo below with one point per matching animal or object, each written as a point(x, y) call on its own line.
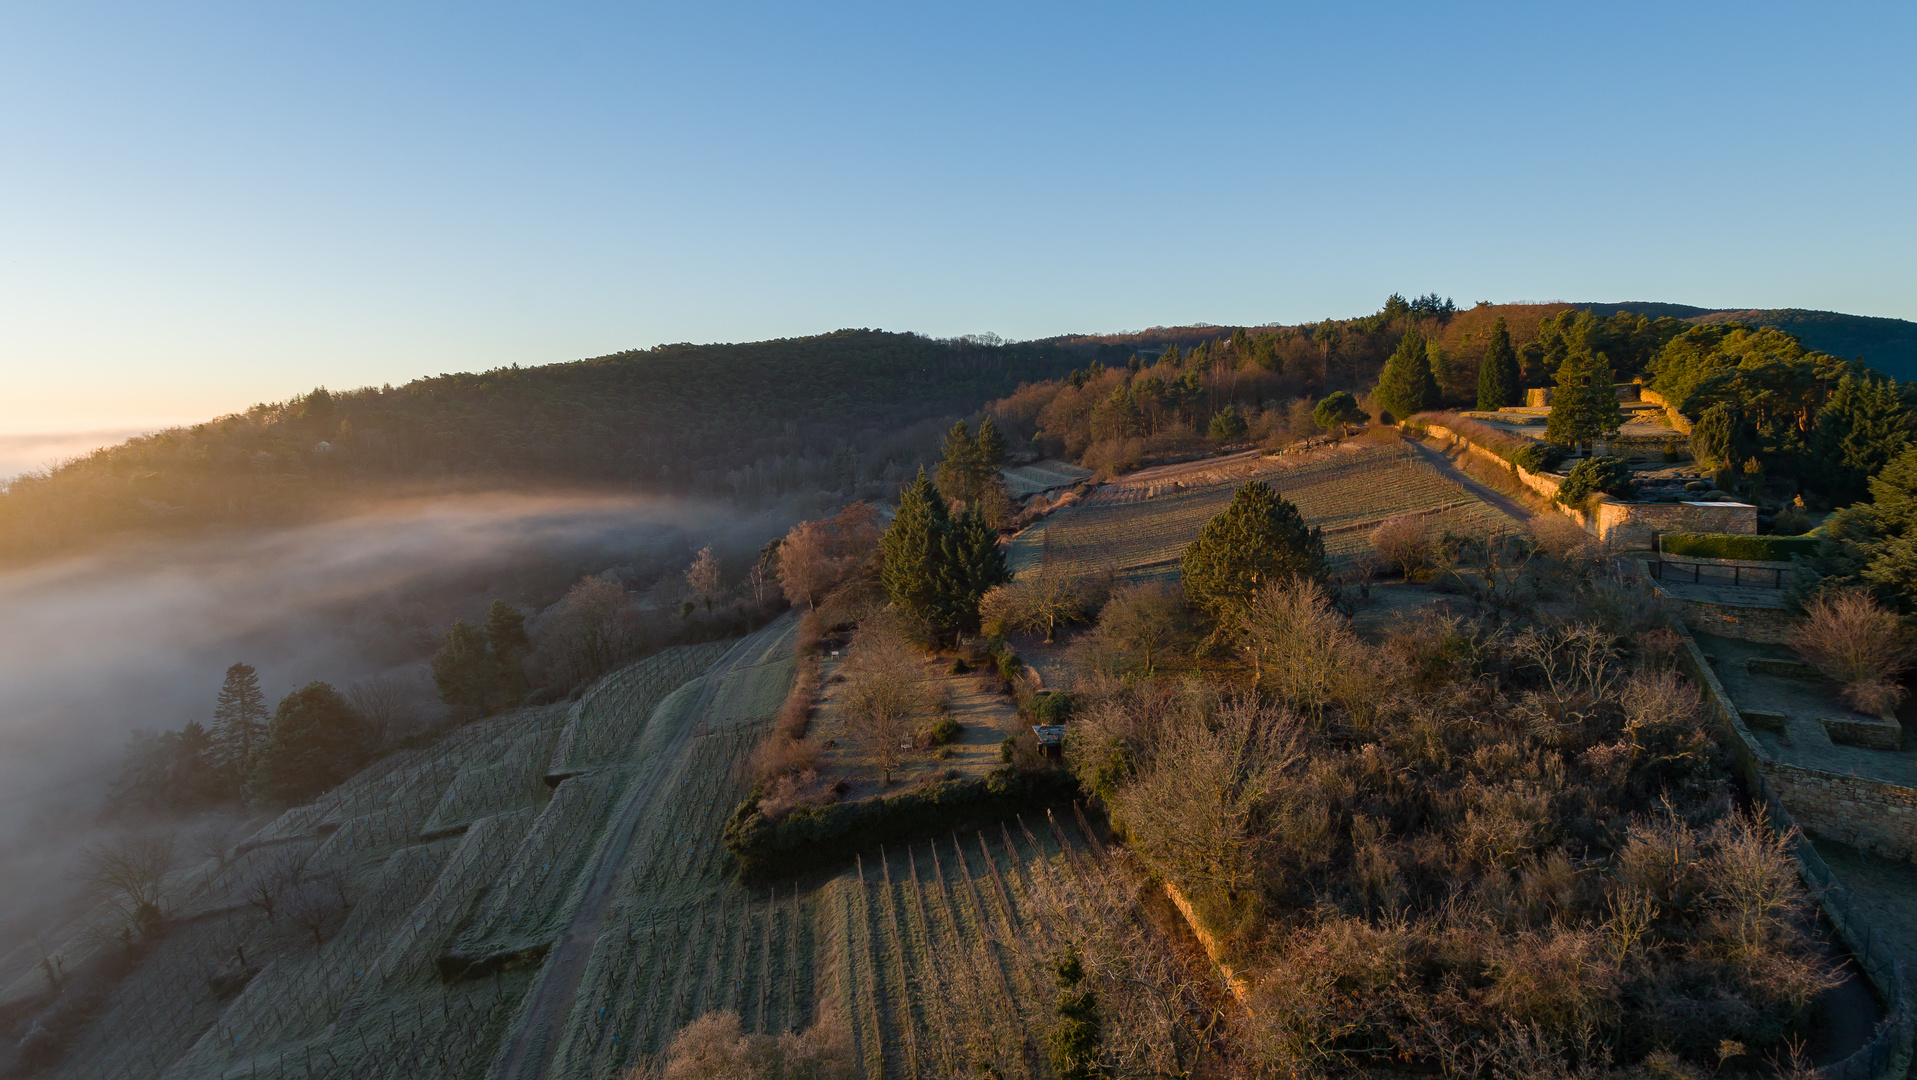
point(1443, 463)
point(527, 1049)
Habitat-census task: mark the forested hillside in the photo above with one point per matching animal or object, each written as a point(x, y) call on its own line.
point(1888, 345)
point(837, 411)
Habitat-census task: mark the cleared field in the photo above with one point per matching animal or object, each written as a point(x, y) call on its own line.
point(1138, 526)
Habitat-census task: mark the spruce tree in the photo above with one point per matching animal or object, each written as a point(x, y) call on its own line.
point(970, 565)
point(1259, 539)
point(466, 674)
point(988, 453)
point(1498, 374)
point(958, 472)
point(1228, 424)
point(239, 727)
point(1584, 405)
point(913, 547)
point(1407, 386)
point(507, 641)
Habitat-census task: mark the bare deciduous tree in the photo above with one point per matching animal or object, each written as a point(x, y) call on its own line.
point(385, 703)
point(129, 873)
point(1405, 542)
point(884, 690)
point(1038, 602)
point(817, 556)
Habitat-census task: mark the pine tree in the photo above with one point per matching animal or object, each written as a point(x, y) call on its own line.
point(1407, 386)
point(239, 727)
point(958, 472)
point(316, 740)
point(1584, 405)
point(912, 548)
point(506, 639)
point(1228, 424)
point(1498, 374)
point(466, 674)
point(1259, 539)
point(1866, 423)
point(1337, 410)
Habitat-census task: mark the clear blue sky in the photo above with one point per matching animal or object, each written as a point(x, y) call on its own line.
point(206, 206)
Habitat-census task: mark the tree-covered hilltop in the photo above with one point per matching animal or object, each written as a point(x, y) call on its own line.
point(835, 412)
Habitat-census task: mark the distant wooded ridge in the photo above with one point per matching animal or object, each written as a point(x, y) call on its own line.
point(849, 414)
point(1888, 345)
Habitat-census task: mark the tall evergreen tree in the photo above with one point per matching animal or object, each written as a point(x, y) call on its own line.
point(1865, 424)
point(958, 472)
point(1584, 405)
point(1498, 375)
point(912, 548)
point(1718, 436)
point(465, 672)
point(1407, 386)
point(988, 450)
point(316, 740)
point(239, 728)
point(969, 566)
point(1893, 493)
point(506, 639)
point(1260, 538)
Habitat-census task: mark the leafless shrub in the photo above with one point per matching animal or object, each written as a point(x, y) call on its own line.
point(793, 790)
point(1576, 663)
point(1305, 652)
point(714, 1048)
point(282, 871)
point(1660, 860)
point(1657, 700)
point(781, 756)
point(1564, 539)
point(1855, 641)
point(1037, 603)
point(216, 839)
point(1407, 543)
point(1196, 811)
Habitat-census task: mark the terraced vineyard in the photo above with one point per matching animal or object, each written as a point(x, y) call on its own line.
point(488, 925)
point(1139, 525)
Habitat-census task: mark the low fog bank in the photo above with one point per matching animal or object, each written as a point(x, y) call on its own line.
point(27, 452)
point(140, 637)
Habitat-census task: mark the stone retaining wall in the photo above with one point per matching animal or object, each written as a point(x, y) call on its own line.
point(1869, 815)
point(1671, 416)
point(1633, 525)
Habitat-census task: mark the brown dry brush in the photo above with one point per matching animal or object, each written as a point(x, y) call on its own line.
point(1858, 643)
point(1521, 846)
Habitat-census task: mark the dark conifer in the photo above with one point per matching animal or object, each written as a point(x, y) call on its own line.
point(1498, 375)
point(1259, 539)
point(1407, 385)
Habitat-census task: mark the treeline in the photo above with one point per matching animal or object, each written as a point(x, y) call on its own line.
point(842, 412)
point(316, 737)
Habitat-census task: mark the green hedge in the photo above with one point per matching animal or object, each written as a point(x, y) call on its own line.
point(1736, 546)
point(810, 838)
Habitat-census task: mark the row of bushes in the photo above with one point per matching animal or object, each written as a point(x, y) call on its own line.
point(812, 837)
point(1737, 546)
